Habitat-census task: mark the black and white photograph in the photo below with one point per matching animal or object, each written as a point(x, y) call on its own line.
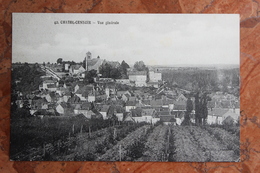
point(125, 87)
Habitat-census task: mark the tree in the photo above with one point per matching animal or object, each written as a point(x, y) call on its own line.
point(26, 105)
point(115, 73)
point(84, 64)
point(29, 77)
point(204, 108)
point(201, 108)
point(105, 70)
point(123, 69)
point(108, 71)
point(189, 108)
point(197, 108)
point(124, 65)
point(140, 66)
point(59, 61)
point(89, 76)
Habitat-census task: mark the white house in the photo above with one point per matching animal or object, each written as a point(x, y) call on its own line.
point(139, 119)
point(130, 105)
point(155, 120)
point(155, 77)
point(218, 115)
point(104, 111)
point(60, 109)
point(120, 116)
point(91, 97)
point(214, 119)
point(123, 81)
point(76, 70)
point(139, 77)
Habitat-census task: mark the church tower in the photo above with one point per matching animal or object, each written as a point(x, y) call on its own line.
point(86, 63)
point(88, 57)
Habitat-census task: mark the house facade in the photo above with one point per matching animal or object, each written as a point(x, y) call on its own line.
point(139, 77)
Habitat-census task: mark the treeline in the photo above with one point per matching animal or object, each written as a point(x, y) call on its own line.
point(26, 77)
point(191, 80)
point(226, 80)
point(120, 72)
point(109, 71)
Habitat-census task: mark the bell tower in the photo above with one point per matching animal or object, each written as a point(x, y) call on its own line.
point(88, 55)
point(86, 63)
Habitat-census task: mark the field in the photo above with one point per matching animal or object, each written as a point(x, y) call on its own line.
point(72, 139)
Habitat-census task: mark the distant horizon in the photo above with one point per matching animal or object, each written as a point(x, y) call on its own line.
point(156, 39)
point(161, 66)
point(154, 65)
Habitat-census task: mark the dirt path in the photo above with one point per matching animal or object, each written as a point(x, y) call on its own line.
point(155, 145)
point(186, 148)
point(196, 144)
point(213, 148)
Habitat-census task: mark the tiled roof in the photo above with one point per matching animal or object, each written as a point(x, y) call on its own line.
point(86, 106)
point(74, 99)
point(217, 111)
point(146, 102)
point(76, 66)
point(92, 62)
point(146, 112)
point(164, 113)
point(167, 102)
point(137, 73)
point(77, 106)
point(104, 108)
point(130, 103)
point(83, 90)
point(156, 103)
point(167, 118)
point(119, 109)
point(136, 112)
point(127, 95)
point(51, 86)
point(132, 99)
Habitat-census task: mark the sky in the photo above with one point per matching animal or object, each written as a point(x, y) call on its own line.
point(156, 39)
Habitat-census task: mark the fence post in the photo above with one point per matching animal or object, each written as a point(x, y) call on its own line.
point(114, 136)
point(89, 131)
point(81, 129)
point(59, 146)
point(73, 129)
point(44, 152)
point(120, 153)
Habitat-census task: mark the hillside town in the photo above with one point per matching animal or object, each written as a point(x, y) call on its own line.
point(140, 94)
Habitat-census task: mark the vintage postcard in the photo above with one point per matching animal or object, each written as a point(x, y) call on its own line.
point(125, 87)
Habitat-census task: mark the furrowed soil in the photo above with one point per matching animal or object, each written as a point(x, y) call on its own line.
point(197, 145)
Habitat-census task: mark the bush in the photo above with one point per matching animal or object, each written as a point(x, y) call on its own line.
point(136, 150)
point(100, 148)
point(85, 157)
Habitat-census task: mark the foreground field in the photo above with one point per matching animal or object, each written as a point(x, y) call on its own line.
point(198, 145)
point(131, 142)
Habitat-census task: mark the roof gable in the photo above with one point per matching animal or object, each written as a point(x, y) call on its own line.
point(104, 108)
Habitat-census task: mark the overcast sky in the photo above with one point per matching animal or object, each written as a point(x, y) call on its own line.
point(156, 39)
